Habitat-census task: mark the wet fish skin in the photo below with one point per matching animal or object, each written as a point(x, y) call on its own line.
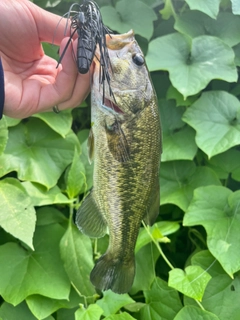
point(126, 146)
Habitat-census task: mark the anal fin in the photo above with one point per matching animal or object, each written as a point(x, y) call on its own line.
point(89, 218)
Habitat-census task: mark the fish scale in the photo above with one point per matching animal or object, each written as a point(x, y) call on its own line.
point(126, 147)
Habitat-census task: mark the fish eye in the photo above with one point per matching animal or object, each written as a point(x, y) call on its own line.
point(138, 59)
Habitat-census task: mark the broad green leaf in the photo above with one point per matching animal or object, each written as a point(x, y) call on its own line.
point(210, 7)
point(42, 306)
point(226, 163)
point(51, 50)
point(164, 228)
point(113, 302)
point(121, 316)
point(221, 297)
point(237, 55)
point(216, 118)
point(60, 123)
point(3, 134)
point(195, 24)
point(217, 209)
point(191, 312)
point(235, 6)
point(37, 153)
point(126, 16)
point(20, 312)
point(50, 215)
point(75, 177)
point(11, 122)
point(162, 301)
point(93, 312)
point(76, 253)
point(42, 197)
point(173, 94)
point(178, 139)
point(17, 214)
point(192, 63)
point(24, 273)
point(146, 259)
point(83, 138)
point(207, 262)
point(66, 314)
point(178, 179)
point(192, 282)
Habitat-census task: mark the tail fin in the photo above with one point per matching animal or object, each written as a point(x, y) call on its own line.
point(114, 274)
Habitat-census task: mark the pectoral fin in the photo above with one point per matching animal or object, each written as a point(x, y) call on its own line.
point(153, 208)
point(89, 218)
point(117, 142)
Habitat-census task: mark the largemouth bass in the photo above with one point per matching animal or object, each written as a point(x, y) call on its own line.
point(125, 142)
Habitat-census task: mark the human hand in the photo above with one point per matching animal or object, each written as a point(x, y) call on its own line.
point(32, 82)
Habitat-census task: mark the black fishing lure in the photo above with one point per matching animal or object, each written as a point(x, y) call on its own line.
point(86, 20)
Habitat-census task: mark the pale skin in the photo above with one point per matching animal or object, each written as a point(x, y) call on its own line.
point(32, 82)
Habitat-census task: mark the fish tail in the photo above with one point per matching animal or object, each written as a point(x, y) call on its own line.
point(113, 273)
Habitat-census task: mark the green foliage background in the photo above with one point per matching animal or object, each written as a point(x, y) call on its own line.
point(188, 263)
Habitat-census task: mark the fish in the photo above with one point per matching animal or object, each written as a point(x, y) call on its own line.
point(125, 144)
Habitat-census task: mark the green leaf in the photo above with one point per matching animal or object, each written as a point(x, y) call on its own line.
point(146, 259)
point(76, 179)
point(18, 217)
point(3, 134)
point(76, 253)
point(190, 313)
point(163, 227)
point(42, 306)
point(226, 164)
point(192, 282)
point(21, 311)
point(235, 6)
point(60, 123)
point(83, 138)
point(178, 139)
point(93, 312)
point(173, 94)
point(221, 292)
point(162, 301)
point(211, 7)
point(24, 273)
point(192, 63)
point(195, 24)
point(42, 197)
point(216, 118)
point(50, 215)
point(126, 16)
point(37, 153)
point(178, 179)
point(217, 209)
point(11, 122)
point(167, 11)
point(207, 262)
point(121, 316)
point(113, 302)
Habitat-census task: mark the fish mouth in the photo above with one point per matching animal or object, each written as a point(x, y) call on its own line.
point(111, 105)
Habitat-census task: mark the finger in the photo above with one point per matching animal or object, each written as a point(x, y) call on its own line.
point(63, 87)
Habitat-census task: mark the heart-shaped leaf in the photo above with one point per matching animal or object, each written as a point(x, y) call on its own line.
point(191, 312)
point(125, 16)
point(216, 118)
point(192, 63)
point(37, 153)
point(217, 209)
point(192, 282)
point(18, 216)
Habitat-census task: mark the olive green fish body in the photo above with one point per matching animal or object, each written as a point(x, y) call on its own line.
point(126, 145)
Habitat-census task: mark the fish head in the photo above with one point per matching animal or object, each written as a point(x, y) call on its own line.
point(130, 88)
